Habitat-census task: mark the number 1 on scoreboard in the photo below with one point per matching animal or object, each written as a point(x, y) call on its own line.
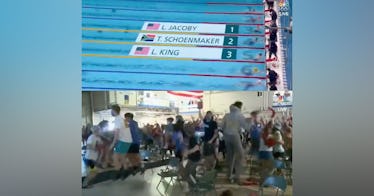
point(232, 29)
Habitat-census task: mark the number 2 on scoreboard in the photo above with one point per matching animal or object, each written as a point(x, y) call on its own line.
point(228, 54)
point(230, 41)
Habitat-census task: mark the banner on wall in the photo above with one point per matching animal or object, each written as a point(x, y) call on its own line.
point(186, 101)
point(282, 99)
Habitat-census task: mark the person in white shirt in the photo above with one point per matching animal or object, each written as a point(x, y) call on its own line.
point(121, 142)
point(92, 154)
point(278, 150)
point(232, 124)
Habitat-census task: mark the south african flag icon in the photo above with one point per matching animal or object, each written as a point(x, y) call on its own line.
point(147, 38)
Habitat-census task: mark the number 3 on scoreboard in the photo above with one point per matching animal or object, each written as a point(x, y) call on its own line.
point(228, 54)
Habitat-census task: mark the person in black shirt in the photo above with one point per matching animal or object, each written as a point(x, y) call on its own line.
point(273, 50)
point(210, 133)
point(273, 37)
point(273, 30)
point(273, 87)
point(210, 146)
point(273, 27)
point(273, 14)
point(273, 76)
point(210, 128)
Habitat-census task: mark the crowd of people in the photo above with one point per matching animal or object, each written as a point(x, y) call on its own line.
point(223, 144)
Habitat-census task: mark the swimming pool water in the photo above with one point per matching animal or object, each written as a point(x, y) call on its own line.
point(115, 55)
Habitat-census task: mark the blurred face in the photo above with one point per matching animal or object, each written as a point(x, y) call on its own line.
point(209, 116)
point(255, 118)
point(114, 113)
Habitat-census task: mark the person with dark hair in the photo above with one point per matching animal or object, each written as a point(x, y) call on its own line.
point(232, 124)
point(209, 138)
point(157, 135)
point(273, 14)
point(133, 152)
point(258, 57)
point(121, 142)
point(273, 50)
point(270, 3)
point(180, 124)
point(177, 139)
point(273, 77)
point(254, 132)
point(193, 156)
point(238, 104)
point(92, 154)
point(168, 133)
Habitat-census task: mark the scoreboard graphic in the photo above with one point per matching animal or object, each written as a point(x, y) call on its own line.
point(173, 45)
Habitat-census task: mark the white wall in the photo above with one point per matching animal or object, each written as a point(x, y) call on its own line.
point(219, 102)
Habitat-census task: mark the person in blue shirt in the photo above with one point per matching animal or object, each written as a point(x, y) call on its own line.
point(133, 152)
point(177, 139)
point(255, 132)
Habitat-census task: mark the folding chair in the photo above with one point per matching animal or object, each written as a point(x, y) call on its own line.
point(171, 172)
point(206, 183)
point(278, 182)
point(146, 156)
point(285, 169)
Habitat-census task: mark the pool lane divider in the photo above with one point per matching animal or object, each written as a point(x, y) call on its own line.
point(176, 11)
point(170, 58)
point(181, 74)
point(198, 3)
point(165, 32)
point(169, 44)
point(143, 20)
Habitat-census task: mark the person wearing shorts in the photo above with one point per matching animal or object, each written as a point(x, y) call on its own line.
point(121, 142)
point(92, 154)
point(133, 152)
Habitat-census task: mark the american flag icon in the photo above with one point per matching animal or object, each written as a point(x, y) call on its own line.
point(142, 50)
point(153, 26)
